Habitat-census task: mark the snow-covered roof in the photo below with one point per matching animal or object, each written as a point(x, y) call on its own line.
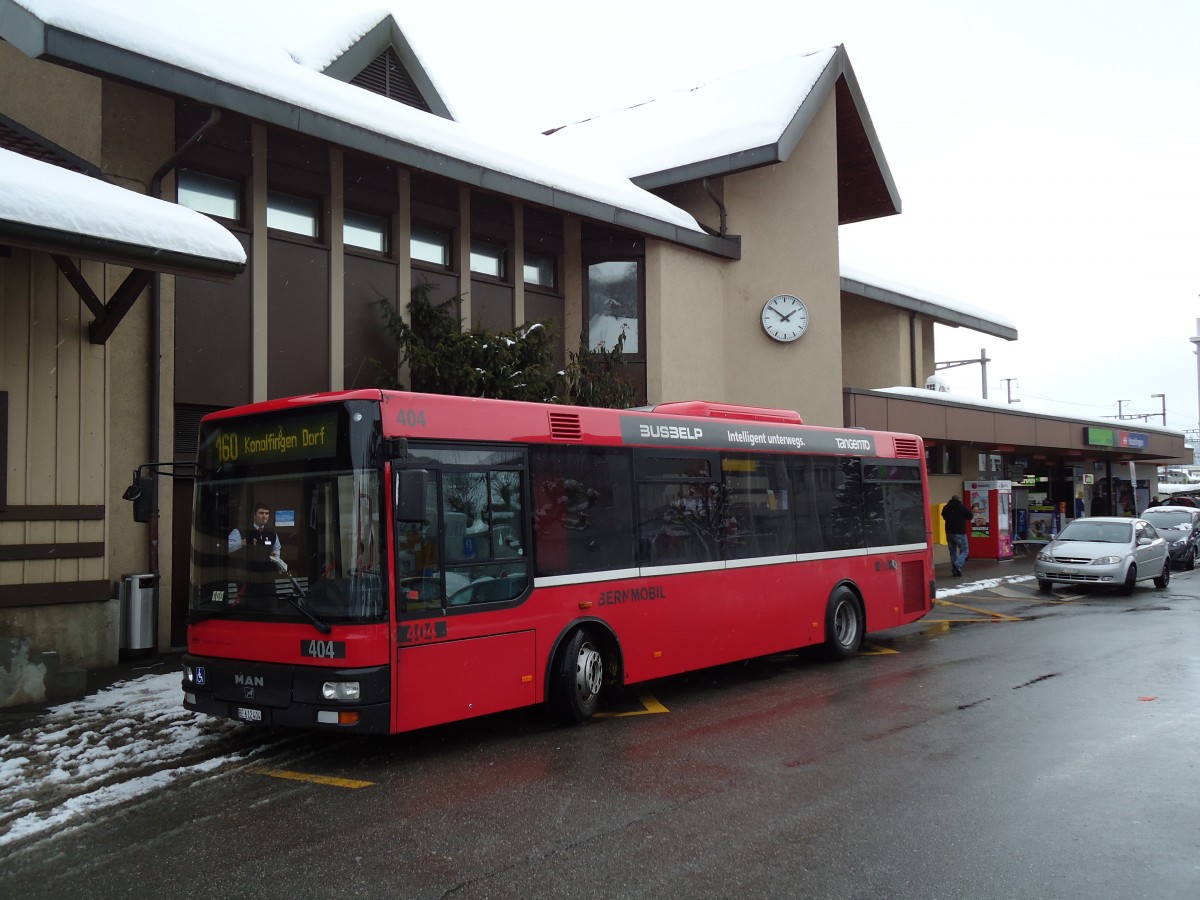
point(946, 310)
point(272, 75)
point(751, 118)
point(1026, 408)
point(50, 208)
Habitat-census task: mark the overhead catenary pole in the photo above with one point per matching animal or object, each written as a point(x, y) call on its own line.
point(1196, 345)
point(983, 361)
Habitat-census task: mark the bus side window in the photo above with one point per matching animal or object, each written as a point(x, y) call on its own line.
point(837, 499)
point(418, 561)
point(680, 522)
point(582, 509)
point(757, 520)
point(484, 516)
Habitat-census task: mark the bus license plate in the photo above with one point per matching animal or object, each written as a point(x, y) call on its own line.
point(246, 714)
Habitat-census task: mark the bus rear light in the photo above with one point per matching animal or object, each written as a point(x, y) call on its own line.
point(337, 717)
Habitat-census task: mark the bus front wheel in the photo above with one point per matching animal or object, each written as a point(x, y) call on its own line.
point(579, 677)
point(843, 624)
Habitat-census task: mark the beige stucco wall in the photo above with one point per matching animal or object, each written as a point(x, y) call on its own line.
point(72, 120)
point(877, 344)
point(686, 326)
point(788, 218)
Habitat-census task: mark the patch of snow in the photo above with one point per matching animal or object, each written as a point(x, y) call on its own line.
point(102, 751)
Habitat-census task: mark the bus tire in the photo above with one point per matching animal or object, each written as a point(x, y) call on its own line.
point(578, 677)
point(843, 624)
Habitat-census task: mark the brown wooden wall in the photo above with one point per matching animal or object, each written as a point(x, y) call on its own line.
point(52, 528)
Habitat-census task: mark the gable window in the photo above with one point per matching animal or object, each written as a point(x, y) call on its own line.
point(431, 245)
point(293, 214)
point(366, 231)
point(210, 194)
point(487, 258)
point(541, 270)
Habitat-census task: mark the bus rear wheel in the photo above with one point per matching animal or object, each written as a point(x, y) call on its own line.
point(579, 678)
point(843, 624)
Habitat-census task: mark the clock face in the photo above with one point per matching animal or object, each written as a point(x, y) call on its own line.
point(785, 317)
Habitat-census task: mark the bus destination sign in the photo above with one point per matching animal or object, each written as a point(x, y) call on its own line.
point(287, 439)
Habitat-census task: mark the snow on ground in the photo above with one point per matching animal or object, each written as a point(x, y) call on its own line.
point(83, 758)
point(981, 585)
point(90, 755)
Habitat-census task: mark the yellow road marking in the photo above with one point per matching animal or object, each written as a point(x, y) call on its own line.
point(315, 779)
point(652, 707)
point(875, 650)
point(981, 612)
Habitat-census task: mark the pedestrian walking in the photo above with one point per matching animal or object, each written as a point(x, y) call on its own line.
point(957, 518)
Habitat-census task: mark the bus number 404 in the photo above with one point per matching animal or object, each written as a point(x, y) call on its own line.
point(413, 418)
point(323, 649)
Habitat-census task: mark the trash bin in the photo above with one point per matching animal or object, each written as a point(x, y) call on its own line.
point(139, 611)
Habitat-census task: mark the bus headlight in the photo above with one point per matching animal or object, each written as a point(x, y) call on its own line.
point(340, 690)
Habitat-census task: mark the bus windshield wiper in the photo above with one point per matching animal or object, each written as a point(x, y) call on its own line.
point(318, 623)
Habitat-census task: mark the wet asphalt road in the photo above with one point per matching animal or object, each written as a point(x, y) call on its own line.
point(1014, 745)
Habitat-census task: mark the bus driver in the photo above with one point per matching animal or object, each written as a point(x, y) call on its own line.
point(262, 546)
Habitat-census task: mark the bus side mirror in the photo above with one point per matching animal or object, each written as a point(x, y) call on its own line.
point(411, 488)
point(141, 493)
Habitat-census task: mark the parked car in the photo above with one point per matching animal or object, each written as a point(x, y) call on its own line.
point(1180, 527)
point(1105, 550)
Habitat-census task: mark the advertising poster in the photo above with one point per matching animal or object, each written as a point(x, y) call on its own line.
point(981, 513)
point(1041, 523)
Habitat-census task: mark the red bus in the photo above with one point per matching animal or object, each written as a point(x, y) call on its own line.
point(449, 557)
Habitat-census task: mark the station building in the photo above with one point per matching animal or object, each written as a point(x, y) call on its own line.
point(344, 178)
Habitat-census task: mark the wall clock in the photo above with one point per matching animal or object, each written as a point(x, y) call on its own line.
point(785, 317)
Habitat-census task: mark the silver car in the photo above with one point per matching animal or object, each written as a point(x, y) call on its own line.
point(1106, 551)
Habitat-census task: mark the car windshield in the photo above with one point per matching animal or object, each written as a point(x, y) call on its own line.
point(1169, 518)
point(1104, 532)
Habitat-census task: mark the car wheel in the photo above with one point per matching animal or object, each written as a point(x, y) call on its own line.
point(1130, 580)
point(1165, 578)
point(1044, 585)
point(1189, 561)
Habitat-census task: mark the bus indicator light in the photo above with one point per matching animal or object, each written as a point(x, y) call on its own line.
point(585, 604)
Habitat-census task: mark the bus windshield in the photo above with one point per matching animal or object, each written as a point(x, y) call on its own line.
point(283, 533)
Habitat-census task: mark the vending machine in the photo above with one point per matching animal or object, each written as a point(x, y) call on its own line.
point(990, 533)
